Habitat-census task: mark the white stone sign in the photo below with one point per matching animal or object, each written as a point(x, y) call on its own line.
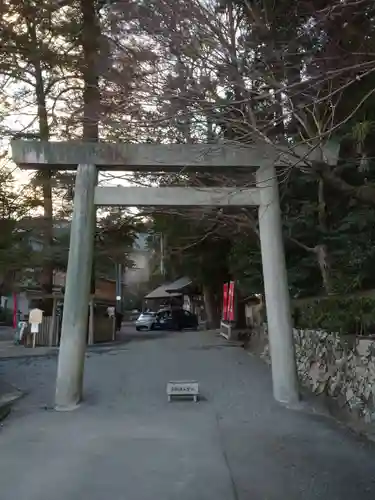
point(183, 388)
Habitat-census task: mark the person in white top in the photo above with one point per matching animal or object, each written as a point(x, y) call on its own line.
point(110, 311)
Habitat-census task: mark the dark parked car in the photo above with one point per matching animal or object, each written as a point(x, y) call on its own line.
point(175, 319)
point(167, 319)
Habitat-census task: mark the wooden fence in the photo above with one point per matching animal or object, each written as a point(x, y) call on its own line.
point(48, 334)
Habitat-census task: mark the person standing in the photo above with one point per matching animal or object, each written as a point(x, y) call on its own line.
point(119, 317)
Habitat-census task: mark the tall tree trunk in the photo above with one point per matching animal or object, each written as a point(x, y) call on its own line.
point(292, 67)
point(325, 268)
point(46, 179)
point(90, 36)
point(210, 305)
point(46, 279)
point(90, 39)
point(322, 250)
point(240, 310)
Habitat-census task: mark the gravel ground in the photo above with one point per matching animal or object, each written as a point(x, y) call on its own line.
point(127, 442)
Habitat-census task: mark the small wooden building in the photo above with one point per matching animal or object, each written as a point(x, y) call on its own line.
point(182, 292)
point(101, 328)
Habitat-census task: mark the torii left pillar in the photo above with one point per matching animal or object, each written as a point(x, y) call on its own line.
point(69, 382)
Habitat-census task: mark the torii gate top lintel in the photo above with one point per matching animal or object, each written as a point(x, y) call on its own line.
point(152, 157)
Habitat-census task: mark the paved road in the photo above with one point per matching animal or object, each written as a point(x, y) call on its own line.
point(127, 442)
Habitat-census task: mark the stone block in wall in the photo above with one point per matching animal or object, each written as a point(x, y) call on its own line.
point(364, 346)
point(341, 367)
point(360, 370)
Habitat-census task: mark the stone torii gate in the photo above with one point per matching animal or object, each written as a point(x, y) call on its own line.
point(87, 158)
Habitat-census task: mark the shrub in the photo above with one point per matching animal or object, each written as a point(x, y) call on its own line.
point(336, 314)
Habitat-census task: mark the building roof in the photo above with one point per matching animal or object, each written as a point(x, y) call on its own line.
point(161, 293)
point(174, 289)
point(178, 285)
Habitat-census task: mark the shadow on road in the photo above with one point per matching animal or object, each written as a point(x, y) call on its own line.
point(126, 336)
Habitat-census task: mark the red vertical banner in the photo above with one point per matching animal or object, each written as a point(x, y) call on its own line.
point(231, 301)
point(225, 302)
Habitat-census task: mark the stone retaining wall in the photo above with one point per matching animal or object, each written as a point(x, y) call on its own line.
point(340, 367)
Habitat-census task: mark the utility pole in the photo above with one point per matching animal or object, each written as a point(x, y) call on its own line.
point(118, 287)
point(162, 262)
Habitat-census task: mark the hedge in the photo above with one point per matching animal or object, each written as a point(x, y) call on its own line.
point(336, 314)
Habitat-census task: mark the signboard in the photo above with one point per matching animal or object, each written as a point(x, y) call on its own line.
point(183, 388)
point(34, 328)
point(36, 316)
point(35, 319)
point(231, 301)
point(225, 302)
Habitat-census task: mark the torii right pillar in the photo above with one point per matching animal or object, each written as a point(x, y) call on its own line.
point(279, 320)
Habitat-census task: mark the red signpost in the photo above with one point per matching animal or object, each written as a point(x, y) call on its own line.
point(231, 301)
point(225, 302)
point(228, 301)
